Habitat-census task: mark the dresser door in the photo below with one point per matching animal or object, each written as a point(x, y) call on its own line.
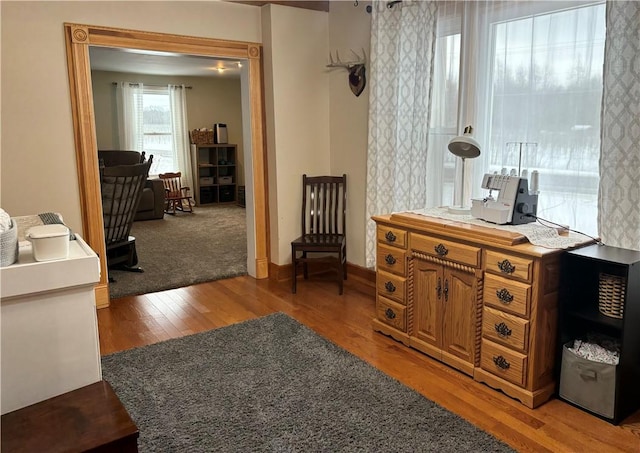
point(427, 301)
point(459, 317)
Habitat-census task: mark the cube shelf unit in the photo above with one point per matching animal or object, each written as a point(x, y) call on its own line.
point(215, 176)
point(580, 315)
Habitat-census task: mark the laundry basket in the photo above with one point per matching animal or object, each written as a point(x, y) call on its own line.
point(9, 245)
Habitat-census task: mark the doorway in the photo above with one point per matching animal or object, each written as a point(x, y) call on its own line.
point(78, 40)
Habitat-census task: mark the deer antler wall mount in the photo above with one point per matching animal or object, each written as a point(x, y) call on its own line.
point(356, 68)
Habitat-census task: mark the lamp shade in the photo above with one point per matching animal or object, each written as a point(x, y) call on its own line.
point(464, 146)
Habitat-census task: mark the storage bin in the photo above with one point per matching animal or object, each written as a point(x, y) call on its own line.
point(226, 194)
point(9, 245)
point(611, 295)
point(225, 180)
point(49, 242)
point(588, 384)
point(205, 180)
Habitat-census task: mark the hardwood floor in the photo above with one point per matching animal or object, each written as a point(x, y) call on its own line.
point(346, 320)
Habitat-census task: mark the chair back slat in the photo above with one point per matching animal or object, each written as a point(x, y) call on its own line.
point(324, 204)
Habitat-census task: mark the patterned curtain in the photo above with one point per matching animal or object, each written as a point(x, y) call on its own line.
point(402, 52)
point(619, 193)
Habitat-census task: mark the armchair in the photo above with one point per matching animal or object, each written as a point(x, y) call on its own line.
point(152, 200)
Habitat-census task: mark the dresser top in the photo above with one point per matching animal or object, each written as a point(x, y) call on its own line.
point(486, 235)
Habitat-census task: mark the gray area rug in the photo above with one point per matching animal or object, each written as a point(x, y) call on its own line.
point(181, 250)
point(272, 384)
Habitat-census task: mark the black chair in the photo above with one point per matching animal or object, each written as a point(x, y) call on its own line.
point(121, 188)
point(324, 203)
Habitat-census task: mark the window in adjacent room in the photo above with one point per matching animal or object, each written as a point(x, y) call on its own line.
point(530, 72)
point(157, 135)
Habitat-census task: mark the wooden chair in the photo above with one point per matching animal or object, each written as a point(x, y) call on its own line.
point(324, 200)
point(175, 194)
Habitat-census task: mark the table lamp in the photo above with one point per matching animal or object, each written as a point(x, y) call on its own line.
point(465, 147)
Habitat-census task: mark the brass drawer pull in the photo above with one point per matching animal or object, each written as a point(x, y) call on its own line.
point(441, 250)
point(390, 287)
point(504, 296)
point(389, 313)
point(390, 259)
point(390, 236)
point(501, 362)
point(503, 330)
point(506, 267)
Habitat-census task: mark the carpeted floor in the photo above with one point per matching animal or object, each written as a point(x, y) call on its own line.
point(184, 249)
point(272, 384)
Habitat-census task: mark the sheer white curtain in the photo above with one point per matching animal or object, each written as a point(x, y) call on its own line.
point(402, 44)
point(530, 73)
point(619, 197)
point(180, 133)
point(129, 105)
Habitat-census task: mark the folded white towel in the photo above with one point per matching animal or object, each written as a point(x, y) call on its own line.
point(5, 221)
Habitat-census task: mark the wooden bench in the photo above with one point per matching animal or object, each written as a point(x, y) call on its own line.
point(91, 418)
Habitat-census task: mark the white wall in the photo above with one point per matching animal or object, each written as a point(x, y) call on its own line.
point(37, 160)
point(297, 105)
point(350, 28)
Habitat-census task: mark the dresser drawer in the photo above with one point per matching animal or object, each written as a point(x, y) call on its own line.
point(392, 286)
point(505, 329)
point(391, 259)
point(391, 313)
point(392, 236)
point(509, 266)
point(507, 295)
point(503, 362)
point(453, 251)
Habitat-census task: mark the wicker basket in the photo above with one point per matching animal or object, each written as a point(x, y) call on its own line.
point(9, 245)
point(199, 137)
point(611, 295)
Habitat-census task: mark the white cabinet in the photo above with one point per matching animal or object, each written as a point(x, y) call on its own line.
point(49, 328)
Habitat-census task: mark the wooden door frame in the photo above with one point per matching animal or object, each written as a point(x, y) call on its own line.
point(78, 39)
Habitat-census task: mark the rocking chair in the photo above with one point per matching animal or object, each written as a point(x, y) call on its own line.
point(175, 194)
point(121, 188)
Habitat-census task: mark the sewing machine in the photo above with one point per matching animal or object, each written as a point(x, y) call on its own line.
point(514, 204)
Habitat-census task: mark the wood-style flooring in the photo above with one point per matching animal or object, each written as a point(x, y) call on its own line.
point(346, 320)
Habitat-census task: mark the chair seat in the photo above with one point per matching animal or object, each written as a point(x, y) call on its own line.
point(320, 240)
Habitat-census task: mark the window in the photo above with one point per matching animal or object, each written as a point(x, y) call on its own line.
point(157, 135)
point(527, 76)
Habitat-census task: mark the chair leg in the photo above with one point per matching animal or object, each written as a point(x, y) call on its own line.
point(293, 273)
point(304, 265)
point(340, 273)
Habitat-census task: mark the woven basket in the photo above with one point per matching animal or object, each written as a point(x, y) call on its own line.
point(199, 137)
point(611, 295)
point(9, 245)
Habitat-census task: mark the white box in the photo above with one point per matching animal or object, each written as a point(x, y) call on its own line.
point(225, 180)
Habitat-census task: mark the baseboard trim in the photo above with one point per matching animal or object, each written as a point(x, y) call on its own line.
point(358, 277)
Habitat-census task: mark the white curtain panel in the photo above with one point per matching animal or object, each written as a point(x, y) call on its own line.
point(129, 102)
point(402, 52)
point(180, 132)
point(619, 193)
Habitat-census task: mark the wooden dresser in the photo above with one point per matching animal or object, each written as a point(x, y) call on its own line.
point(479, 299)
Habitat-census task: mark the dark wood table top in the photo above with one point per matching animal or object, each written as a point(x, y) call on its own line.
point(91, 418)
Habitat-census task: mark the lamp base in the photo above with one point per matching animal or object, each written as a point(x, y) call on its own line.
point(459, 210)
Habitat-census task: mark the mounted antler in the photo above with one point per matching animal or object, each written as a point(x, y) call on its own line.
point(356, 68)
point(337, 63)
